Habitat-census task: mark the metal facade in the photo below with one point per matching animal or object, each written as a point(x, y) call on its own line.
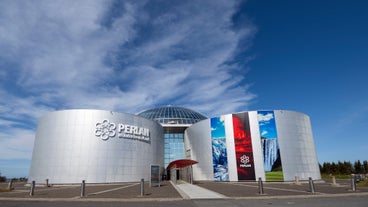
point(74, 145)
point(105, 147)
point(297, 147)
point(295, 140)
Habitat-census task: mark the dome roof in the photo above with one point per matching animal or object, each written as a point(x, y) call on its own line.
point(172, 115)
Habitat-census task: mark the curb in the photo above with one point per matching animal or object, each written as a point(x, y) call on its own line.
point(181, 199)
point(310, 196)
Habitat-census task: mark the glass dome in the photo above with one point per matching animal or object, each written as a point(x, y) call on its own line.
point(172, 115)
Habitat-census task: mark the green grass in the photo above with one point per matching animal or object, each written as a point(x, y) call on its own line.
point(363, 183)
point(329, 176)
point(274, 176)
point(4, 190)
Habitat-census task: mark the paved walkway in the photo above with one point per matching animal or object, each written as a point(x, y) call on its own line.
point(189, 191)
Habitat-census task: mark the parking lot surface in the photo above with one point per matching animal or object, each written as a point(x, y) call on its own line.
point(169, 191)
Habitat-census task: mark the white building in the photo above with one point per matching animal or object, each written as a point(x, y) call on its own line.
point(250, 145)
point(96, 146)
point(104, 146)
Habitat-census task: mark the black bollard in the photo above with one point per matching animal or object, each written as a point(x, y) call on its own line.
point(142, 187)
point(353, 183)
point(311, 185)
point(83, 189)
point(10, 185)
point(260, 186)
point(33, 185)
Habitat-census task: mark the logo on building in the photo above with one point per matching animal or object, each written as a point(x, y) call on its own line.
point(245, 161)
point(105, 129)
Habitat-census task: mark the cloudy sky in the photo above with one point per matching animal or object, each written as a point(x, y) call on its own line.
point(215, 57)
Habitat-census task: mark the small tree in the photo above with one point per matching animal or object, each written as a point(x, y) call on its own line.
point(340, 167)
point(348, 168)
point(358, 167)
point(2, 178)
point(334, 168)
point(326, 168)
point(365, 166)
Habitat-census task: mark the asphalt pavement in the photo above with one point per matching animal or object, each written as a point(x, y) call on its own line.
point(168, 192)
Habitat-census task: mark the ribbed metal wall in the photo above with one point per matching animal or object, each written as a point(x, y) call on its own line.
point(67, 150)
point(298, 154)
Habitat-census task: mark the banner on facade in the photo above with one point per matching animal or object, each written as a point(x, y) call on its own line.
point(243, 147)
point(219, 152)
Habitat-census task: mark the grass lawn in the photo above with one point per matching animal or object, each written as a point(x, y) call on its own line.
point(363, 183)
point(274, 176)
point(4, 189)
point(328, 176)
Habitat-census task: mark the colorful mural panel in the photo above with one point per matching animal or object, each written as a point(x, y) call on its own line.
point(269, 141)
point(219, 152)
point(243, 147)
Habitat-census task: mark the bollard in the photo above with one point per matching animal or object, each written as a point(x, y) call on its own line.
point(83, 189)
point(311, 185)
point(47, 183)
point(260, 186)
point(353, 184)
point(142, 187)
point(33, 185)
point(297, 180)
point(10, 185)
point(334, 181)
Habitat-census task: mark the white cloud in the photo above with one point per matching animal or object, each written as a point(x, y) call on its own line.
point(265, 117)
point(264, 133)
point(123, 56)
point(59, 45)
point(16, 144)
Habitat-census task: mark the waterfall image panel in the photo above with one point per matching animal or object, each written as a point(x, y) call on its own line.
point(270, 146)
point(219, 152)
point(243, 147)
point(270, 152)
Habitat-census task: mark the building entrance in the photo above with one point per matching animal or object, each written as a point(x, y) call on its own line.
point(181, 170)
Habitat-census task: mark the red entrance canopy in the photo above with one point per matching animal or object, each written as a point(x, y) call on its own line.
point(181, 163)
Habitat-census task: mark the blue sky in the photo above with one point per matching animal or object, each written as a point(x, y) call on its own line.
point(218, 127)
point(215, 57)
point(267, 124)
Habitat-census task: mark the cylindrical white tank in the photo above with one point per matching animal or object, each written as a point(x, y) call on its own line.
point(96, 146)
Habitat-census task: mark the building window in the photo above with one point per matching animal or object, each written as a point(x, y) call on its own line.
point(174, 147)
